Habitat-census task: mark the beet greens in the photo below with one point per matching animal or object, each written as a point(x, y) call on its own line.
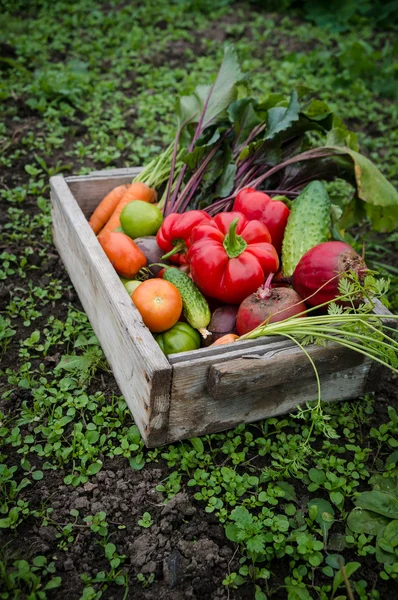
point(225, 143)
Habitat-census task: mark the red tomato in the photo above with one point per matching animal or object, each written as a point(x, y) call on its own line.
point(159, 303)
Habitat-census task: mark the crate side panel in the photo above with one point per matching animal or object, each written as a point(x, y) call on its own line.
point(240, 376)
point(89, 190)
point(200, 406)
point(140, 368)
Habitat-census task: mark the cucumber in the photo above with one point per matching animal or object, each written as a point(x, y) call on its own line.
point(309, 224)
point(195, 307)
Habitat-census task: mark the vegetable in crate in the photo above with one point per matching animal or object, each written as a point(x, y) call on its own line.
point(273, 213)
point(140, 219)
point(223, 322)
point(175, 232)
point(230, 338)
point(130, 284)
point(105, 208)
point(180, 338)
point(268, 304)
point(159, 303)
point(134, 191)
point(319, 272)
point(153, 253)
point(309, 224)
point(195, 307)
point(230, 257)
point(124, 254)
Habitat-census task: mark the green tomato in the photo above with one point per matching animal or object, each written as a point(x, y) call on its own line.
point(180, 338)
point(130, 284)
point(140, 218)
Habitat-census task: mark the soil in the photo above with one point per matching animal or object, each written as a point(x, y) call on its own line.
point(188, 554)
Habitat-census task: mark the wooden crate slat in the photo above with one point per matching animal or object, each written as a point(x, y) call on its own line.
point(141, 369)
point(258, 345)
point(194, 411)
point(237, 377)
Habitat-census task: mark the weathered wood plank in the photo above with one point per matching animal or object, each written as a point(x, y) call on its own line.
point(380, 309)
point(121, 171)
point(259, 345)
point(237, 377)
point(140, 368)
point(194, 411)
point(376, 369)
point(192, 376)
point(89, 190)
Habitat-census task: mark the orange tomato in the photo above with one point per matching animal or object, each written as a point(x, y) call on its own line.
point(123, 253)
point(159, 303)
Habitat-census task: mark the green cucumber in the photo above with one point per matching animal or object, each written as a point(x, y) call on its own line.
point(195, 307)
point(309, 224)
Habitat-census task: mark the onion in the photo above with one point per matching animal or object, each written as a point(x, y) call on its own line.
point(319, 272)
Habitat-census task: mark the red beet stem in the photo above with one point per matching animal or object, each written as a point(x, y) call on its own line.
point(265, 290)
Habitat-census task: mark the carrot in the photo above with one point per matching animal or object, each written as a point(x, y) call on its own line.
point(135, 191)
point(140, 191)
point(106, 207)
point(226, 339)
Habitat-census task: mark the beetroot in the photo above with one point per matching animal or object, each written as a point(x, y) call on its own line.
point(275, 304)
point(322, 268)
point(223, 321)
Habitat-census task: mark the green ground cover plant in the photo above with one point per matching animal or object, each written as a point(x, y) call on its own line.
point(85, 510)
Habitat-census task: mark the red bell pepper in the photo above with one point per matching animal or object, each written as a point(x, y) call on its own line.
point(273, 213)
point(230, 256)
point(174, 233)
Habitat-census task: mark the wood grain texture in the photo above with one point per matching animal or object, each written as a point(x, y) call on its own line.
point(237, 377)
point(140, 368)
point(244, 347)
point(89, 190)
point(196, 409)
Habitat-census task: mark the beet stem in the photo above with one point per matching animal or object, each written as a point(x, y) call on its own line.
point(264, 291)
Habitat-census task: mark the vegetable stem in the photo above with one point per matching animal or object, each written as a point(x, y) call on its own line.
point(234, 244)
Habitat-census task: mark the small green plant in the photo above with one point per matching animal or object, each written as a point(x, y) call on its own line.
point(376, 516)
point(103, 578)
point(84, 366)
point(146, 520)
point(6, 334)
point(28, 580)
point(146, 580)
point(97, 523)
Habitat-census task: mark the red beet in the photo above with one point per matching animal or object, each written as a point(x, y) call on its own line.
point(322, 268)
point(223, 321)
point(278, 303)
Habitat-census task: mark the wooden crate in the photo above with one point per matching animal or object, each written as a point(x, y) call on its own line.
point(197, 392)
